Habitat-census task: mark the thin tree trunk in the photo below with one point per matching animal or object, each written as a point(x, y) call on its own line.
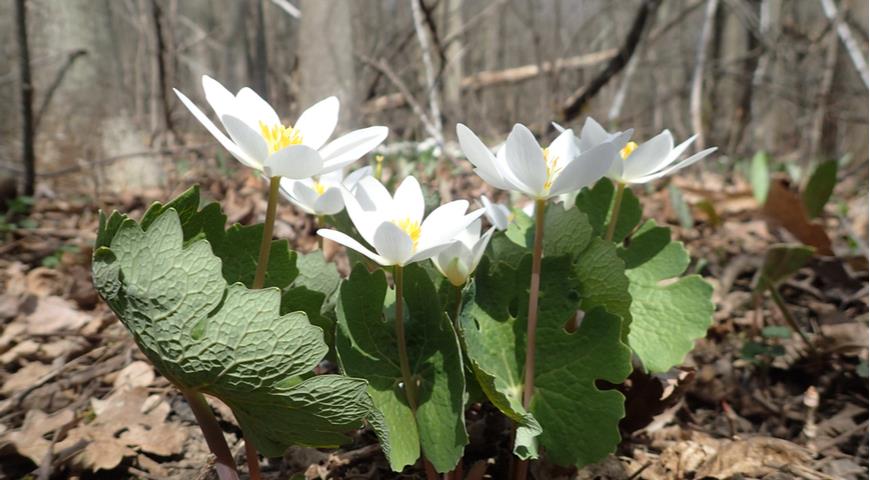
point(28, 157)
point(161, 60)
point(696, 98)
point(824, 95)
point(429, 71)
point(261, 76)
point(574, 105)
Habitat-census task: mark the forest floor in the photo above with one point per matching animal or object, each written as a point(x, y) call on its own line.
point(78, 399)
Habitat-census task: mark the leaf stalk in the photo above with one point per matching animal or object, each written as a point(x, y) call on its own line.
point(214, 437)
point(614, 213)
point(532, 324)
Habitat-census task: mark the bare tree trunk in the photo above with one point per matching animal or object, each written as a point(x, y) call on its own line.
point(326, 62)
point(28, 156)
point(696, 98)
point(161, 61)
point(744, 93)
point(454, 52)
point(429, 70)
point(824, 95)
point(261, 63)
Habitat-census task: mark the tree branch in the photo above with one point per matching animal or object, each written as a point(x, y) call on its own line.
point(574, 105)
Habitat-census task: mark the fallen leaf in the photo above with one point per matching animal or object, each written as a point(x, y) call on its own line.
point(54, 315)
point(136, 374)
point(753, 457)
point(29, 441)
point(785, 209)
point(24, 377)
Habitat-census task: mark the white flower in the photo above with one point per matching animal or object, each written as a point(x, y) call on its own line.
point(457, 261)
point(322, 195)
point(499, 216)
point(259, 140)
point(522, 165)
point(648, 161)
point(394, 225)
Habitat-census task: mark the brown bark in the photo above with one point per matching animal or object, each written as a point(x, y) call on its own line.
point(28, 156)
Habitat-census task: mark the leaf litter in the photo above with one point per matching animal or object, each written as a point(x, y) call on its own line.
point(77, 397)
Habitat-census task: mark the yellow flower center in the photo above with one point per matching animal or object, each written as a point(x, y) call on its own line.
point(278, 136)
point(319, 188)
point(411, 227)
point(627, 149)
point(552, 170)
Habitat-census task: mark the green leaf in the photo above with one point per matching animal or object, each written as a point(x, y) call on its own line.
point(819, 188)
point(570, 419)
point(223, 340)
point(759, 177)
point(667, 314)
point(367, 348)
point(776, 331)
point(780, 262)
point(579, 421)
point(597, 202)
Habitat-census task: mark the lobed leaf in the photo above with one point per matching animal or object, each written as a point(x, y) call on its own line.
point(367, 347)
point(168, 288)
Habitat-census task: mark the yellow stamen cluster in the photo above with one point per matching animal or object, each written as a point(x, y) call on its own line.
point(319, 188)
point(552, 170)
point(411, 227)
point(278, 136)
point(627, 149)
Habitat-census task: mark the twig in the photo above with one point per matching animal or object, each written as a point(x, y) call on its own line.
point(384, 68)
point(848, 40)
point(288, 8)
point(55, 84)
point(843, 436)
point(574, 105)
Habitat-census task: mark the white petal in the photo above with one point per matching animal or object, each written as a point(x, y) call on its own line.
point(427, 253)
point(408, 201)
point(481, 157)
point(470, 234)
point(563, 149)
point(303, 194)
point(479, 248)
point(253, 109)
point(443, 223)
point(526, 159)
point(648, 155)
point(295, 161)
point(349, 242)
point(350, 147)
point(373, 195)
point(355, 176)
point(592, 135)
point(330, 202)
point(220, 99)
point(249, 140)
point(393, 243)
point(365, 221)
point(334, 177)
point(674, 154)
point(619, 141)
point(224, 140)
point(318, 122)
point(497, 214)
point(287, 187)
point(584, 170)
point(685, 163)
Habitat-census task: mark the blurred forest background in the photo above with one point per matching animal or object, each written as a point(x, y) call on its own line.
point(788, 77)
